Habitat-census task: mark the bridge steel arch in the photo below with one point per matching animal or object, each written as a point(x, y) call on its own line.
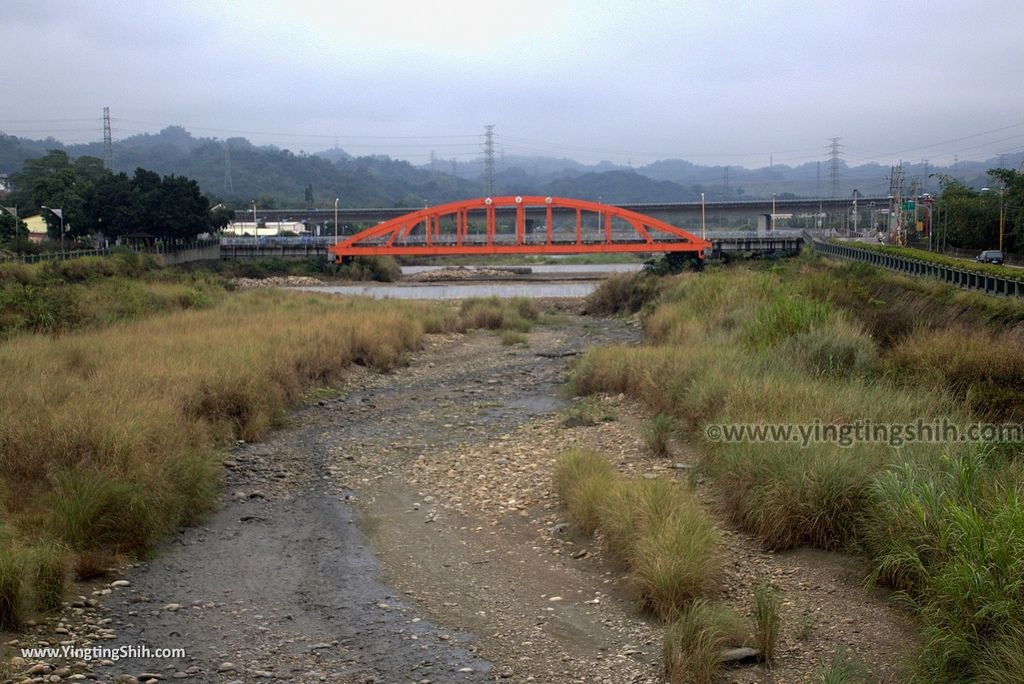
point(419, 233)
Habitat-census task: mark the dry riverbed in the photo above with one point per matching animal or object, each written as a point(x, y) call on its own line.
point(406, 529)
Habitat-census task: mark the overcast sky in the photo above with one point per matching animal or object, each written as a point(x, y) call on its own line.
point(712, 82)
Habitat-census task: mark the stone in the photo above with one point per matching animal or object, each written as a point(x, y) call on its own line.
point(173, 607)
point(120, 583)
point(736, 656)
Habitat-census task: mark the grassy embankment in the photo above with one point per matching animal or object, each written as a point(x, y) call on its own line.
point(61, 296)
point(109, 433)
point(940, 259)
point(807, 342)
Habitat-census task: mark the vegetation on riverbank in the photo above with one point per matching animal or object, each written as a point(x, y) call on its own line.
point(62, 296)
point(109, 431)
point(379, 269)
point(814, 344)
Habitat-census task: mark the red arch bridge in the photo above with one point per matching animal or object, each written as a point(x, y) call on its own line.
point(520, 225)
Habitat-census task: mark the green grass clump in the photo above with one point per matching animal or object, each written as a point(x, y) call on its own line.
point(655, 527)
point(657, 434)
point(675, 560)
point(693, 643)
point(583, 478)
point(766, 621)
point(516, 314)
point(843, 670)
point(511, 337)
point(12, 595)
point(49, 575)
point(782, 318)
point(624, 293)
point(951, 535)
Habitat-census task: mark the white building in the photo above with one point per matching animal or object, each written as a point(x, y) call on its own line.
point(268, 229)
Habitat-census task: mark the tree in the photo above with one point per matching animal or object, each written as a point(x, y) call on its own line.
point(11, 233)
point(221, 217)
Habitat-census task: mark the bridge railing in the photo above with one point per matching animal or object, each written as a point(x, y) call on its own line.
point(963, 278)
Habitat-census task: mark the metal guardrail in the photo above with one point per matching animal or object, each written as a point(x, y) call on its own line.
point(962, 278)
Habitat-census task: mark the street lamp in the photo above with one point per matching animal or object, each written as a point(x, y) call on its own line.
point(1002, 215)
point(335, 220)
point(855, 193)
point(59, 213)
point(255, 228)
point(703, 225)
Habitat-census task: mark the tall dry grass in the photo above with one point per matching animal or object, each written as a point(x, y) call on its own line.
point(108, 437)
point(657, 528)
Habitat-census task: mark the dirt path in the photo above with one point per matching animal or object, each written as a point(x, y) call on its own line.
point(406, 530)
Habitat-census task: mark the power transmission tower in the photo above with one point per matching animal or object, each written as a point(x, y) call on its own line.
point(433, 163)
point(108, 141)
point(229, 184)
point(834, 155)
point(489, 158)
point(454, 166)
point(725, 181)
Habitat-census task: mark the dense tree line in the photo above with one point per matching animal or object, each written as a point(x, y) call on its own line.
point(94, 200)
point(969, 218)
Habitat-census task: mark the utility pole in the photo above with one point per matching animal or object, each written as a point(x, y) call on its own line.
point(489, 159)
point(834, 155)
point(925, 181)
point(108, 141)
point(817, 192)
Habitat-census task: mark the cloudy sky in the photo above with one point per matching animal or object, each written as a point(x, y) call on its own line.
point(715, 82)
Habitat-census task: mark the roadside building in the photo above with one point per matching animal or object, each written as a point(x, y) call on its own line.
point(267, 229)
point(36, 227)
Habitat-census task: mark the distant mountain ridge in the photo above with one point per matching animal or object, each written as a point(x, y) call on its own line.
point(235, 171)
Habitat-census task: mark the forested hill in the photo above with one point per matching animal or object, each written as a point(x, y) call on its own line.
point(277, 177)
